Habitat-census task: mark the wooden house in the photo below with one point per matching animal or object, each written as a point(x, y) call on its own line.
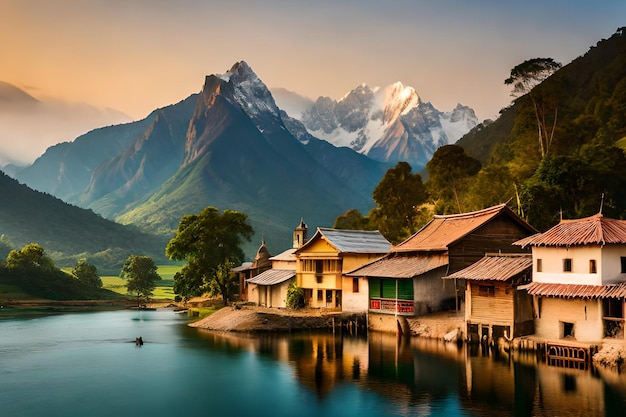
point(579, 279)
point(494, 308)
point(408, 280)
point(323, 260)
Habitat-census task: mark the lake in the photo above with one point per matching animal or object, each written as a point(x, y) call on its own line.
point(87, 364)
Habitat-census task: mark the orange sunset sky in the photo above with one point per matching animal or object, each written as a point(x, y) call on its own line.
point(136, 55)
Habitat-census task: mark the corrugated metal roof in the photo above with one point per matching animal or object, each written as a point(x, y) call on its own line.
point(594, 230)
point(272, 277)
point(498, 267)
point(576, 291)
point(353, 241)
point(439, 233)
point(400, 266)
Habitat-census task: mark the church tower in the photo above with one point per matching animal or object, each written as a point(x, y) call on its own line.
point(299, 235)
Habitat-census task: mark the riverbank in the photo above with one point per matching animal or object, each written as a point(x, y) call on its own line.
point(255, 319)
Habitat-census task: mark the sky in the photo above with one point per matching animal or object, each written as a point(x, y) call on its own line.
point(137, 55)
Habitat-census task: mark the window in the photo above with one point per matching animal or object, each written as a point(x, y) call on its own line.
point(320, 295)
point(623, 259)
point(355, 285)
point(592, 266)
point(486, 290)
point(567, 265)
point(539, 265)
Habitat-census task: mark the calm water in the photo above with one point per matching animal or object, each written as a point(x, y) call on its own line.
point(87, 364)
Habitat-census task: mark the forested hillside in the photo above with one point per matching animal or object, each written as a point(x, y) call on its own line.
point(68, 232)
point(581, 113)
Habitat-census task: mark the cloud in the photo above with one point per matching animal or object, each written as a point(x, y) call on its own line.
point(29, 129)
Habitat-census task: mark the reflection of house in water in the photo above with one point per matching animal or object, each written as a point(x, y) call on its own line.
point(493, 306)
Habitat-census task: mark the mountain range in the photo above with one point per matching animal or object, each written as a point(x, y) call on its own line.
point(388, 124)
point(228, 146)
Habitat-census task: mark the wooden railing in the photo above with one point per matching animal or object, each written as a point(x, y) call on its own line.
point(387, 305)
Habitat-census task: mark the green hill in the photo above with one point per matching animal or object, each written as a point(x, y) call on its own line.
point(68, 232)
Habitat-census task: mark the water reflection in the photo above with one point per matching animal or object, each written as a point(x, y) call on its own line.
point(422, 376)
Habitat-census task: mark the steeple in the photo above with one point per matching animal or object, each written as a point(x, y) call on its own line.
point(300, 235)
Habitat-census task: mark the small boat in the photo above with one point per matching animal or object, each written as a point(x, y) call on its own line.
point(181, 311)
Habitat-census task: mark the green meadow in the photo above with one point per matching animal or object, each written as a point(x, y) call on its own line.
point(164, 288)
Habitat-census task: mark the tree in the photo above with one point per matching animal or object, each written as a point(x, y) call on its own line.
point(208, 241)
point(449, 171)
point(295, 296)
point(397, 196)
point(524, 78)
point(141, 273)
point(30, 257)
point(87, 273)
point(352, 220)
point(6, 246)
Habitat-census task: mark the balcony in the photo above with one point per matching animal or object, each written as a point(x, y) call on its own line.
point(392, 306)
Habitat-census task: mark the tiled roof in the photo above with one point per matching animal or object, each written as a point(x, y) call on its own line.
point(243, 267)
point(353, 241)
point(272, 277)
point(400, 266)
point(594, 230)
point(499, 267)
point(442, 231)
point(576, 291)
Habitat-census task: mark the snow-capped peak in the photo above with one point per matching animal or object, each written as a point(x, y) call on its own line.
point(388, 124)
point(399, 100)
point(249, 92)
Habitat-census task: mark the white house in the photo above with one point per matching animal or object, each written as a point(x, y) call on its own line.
point(579, 279)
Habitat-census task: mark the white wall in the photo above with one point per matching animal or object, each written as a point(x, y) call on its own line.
point(552, 265)
point(586, 315)
point(355, 302)
point(612, 265)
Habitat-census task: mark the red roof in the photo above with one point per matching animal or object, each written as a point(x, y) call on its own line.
point(442, 231)
point(594, 230)
point(498, 267)
point(576, 290)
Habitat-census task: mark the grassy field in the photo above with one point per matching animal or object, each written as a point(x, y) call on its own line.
point(164, 288)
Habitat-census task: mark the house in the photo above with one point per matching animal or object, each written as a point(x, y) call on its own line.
point(407, 281)
point(579, 279)
point(247, 270)
point(269, 288)
point(494, 308)
point(323, 260)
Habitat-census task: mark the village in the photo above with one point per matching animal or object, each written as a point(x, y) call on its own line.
point(488, 276)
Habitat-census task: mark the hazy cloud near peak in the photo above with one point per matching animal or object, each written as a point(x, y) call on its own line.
point(29, 129)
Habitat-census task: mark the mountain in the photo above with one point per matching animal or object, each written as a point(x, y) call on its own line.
point(68, 232)
point(240, 154)
point(11, 95)
point(390, 125)
point(30, 125)
point(229, 146)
